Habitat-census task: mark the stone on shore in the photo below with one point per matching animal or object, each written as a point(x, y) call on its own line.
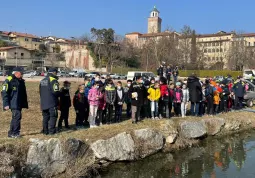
point(214, 125)
point(193, 129)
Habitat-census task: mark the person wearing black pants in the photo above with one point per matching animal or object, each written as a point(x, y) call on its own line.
point(110, 97)
point(65, 104)
point(109, 108)
point(14, 97)
point(50, 117)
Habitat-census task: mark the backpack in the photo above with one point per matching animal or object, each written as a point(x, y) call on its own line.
point(167, 96)
point(208, 91)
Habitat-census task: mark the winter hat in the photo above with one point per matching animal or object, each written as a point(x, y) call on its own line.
point(178, 84)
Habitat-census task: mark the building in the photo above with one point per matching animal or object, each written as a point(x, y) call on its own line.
point(215, 47)
point(14, 55)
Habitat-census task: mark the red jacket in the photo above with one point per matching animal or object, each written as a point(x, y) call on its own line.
point(164, 90)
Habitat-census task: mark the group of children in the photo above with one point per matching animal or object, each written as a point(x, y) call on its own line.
point(95, 102)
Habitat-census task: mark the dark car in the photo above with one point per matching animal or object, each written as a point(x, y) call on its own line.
point(249, 96)
point(82, 74)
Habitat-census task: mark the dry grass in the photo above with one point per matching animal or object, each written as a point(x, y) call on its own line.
point(32, 122)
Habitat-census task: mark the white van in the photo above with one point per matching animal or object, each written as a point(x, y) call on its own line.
point(132, 74)
point(248, 73)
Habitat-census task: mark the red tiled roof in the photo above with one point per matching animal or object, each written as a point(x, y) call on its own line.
point(213, 35)
point(10, 47)
point(134, 33)
point(156, 34)
point(248, 35)
point(23, 34)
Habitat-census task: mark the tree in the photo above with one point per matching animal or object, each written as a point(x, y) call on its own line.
point(3, 43)
point(193, 55)
point(184, 45)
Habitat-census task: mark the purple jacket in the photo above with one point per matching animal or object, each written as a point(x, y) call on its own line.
point(93, 97)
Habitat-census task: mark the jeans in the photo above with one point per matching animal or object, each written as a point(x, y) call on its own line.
point(163, 108)
point(194, 108)
point(92, 115)
point(118, 113)
point(154, 105)
point(209, 105)
point(177, 108)
point(49, 120)
point(15, 122)
point(64, 117)
point(136, 111)
point(184, 107)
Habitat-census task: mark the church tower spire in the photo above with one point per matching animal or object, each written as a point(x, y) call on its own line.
point(154, 21)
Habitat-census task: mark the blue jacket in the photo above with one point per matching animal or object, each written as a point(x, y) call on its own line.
point(14, 93)
point(239, 89)
point(49, 92)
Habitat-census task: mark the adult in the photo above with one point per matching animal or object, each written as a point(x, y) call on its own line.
point(168, 74)
point(14, 97)
point(239, 91)
point(160, 70)
point(138, 93)
point(49, 94)
point(195, 92)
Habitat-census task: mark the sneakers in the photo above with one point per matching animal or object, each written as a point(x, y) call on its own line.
point(160, 116)
point(153, 118)
point(14, 136)
point(156, 118)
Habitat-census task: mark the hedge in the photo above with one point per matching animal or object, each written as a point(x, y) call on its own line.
point(210, 73)
point(186, 73)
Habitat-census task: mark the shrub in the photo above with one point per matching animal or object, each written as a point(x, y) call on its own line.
point(210, 73)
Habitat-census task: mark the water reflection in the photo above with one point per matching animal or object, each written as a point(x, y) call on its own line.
point(231, 156)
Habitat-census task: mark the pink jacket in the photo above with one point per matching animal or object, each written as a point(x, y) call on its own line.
point(92, 97)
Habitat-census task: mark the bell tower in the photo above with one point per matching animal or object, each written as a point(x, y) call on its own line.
point(154, 21)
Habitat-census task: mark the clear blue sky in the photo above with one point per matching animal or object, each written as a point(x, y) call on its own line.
point(65, 18)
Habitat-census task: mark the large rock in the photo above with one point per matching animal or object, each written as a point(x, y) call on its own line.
point(193, 129)
point(148, 141)
point(232, 125)
point(118, 148)
point(168, 127)
point(45, 157)
point(214, 125)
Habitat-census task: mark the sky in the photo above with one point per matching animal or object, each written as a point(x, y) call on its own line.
point(68, 18)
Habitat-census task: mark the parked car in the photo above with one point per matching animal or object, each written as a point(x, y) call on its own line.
point(219, 78)
point(249, 97)
point(146, 75)
point(82, 74)
point(92, 74)
point(249, 73)
point(123, 77)
point(63, 74)
point(29, 74)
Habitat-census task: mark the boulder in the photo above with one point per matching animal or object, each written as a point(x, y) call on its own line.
point(214, 125)
point(168, 127)
point(45, 157)
point(148, 142)
point(171, 138)
point(118, 148)
point(232, 125)
point(193, 129)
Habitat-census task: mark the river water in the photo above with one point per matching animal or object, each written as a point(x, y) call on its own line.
point(228, 157)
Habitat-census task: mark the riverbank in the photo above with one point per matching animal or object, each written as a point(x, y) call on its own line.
point(83, 152)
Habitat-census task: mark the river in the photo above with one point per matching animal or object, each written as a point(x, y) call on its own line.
point(227, 157)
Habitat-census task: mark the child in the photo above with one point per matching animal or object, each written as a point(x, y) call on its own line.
point(93, 97)
point(81, 105)
point(120, 96)
point(145, 112)
point(203, 102)
point(127, 98)
point(87, 85)
point(216, 101)
point(225, 97)
point(110, 97)
point(209, 96)
point(185, 100)
point(171, 97)
point(65, 104)
point(101, 107)
point(163, 103)
point(178, 97)
point(154, 95)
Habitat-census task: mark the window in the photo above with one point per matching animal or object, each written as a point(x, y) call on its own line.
point(209, 59)
point(205, 50)
point(213, 58)
point(217, 50)
point(213, 50)
point(249, 43)
point(209, 50)
point(217, 58)
point(22, 54)
point(213, 44)
point(221, 50)
point(216, 44)
point(26, 39)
